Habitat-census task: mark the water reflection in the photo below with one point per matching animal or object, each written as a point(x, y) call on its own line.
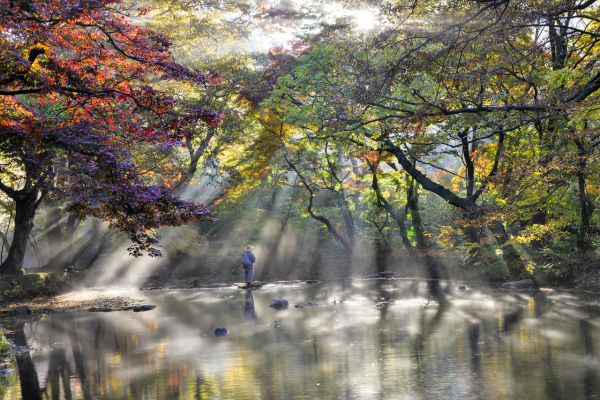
point(249, 311)
point(30, 387)
point(429, 341)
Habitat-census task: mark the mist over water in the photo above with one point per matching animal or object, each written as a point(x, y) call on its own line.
point(427, 341)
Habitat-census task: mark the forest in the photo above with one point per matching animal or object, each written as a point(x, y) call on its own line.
point(149, 142)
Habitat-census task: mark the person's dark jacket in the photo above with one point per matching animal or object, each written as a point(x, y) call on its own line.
point(248, 259)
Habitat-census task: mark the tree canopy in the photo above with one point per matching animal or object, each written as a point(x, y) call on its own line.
point(405, 126)
point(80, 89)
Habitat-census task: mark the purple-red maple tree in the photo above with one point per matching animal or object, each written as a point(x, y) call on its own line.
point(78, 91)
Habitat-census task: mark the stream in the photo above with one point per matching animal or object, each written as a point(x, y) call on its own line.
point(364, 339)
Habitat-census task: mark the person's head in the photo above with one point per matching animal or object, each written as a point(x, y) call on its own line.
point(248, 248)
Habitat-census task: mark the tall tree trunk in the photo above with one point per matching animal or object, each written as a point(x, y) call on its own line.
point(271, 204)
point(511, 257)
point(472, 238)
point(472, 235)
point(4, 241)
point(101, 245)
point(53, 234)
point(587, 208)
point(195, 154)
point(67, 257)
point(397, 218)
point(37, 253)
point(341, 196)
point(26, 204)
point(412, 205)
point(586, 202)
point(347, 215)
point(320, 218)
point(380, 228)
point(540, 217)
point(99, 230)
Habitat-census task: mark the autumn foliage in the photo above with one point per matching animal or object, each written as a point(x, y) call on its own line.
point(80, 87)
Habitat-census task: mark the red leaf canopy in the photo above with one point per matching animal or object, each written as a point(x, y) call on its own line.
point(78, 91)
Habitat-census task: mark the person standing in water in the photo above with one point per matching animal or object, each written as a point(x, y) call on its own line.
point(248, 261)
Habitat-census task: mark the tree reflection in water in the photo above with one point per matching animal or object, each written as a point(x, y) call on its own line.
point(30, 386)
point(249, 311)
point(429, 341)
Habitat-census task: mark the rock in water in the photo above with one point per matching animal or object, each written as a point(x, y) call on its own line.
point(143, 308)
point(280, 304)
point(523, 284)
point(385, 275)
point(461, 288)
point(221, 331)
point(22, 310)
point(252, 285)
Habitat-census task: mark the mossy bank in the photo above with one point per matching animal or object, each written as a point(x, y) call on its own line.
point(19, 288)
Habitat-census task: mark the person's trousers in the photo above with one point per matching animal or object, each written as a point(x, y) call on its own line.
point(248, 272)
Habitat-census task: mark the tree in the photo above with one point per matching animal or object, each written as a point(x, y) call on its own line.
point(323, 177)
point(485, 72)
point(79, 89)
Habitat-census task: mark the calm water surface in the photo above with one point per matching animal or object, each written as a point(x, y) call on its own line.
point(479, 344)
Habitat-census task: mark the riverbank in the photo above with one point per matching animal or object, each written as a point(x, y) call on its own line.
point(77, 300)
point(53, 292)
point(23, 288)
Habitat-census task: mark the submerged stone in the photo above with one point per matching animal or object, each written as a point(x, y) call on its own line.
point(143, 308)
point(384, 275)
point(251, 285)
point(280, 304)
point(381, 299)
point(22, 310)
point(221, 332)
point(516, 285)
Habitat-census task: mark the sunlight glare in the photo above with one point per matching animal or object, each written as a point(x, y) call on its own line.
point(365, 19)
